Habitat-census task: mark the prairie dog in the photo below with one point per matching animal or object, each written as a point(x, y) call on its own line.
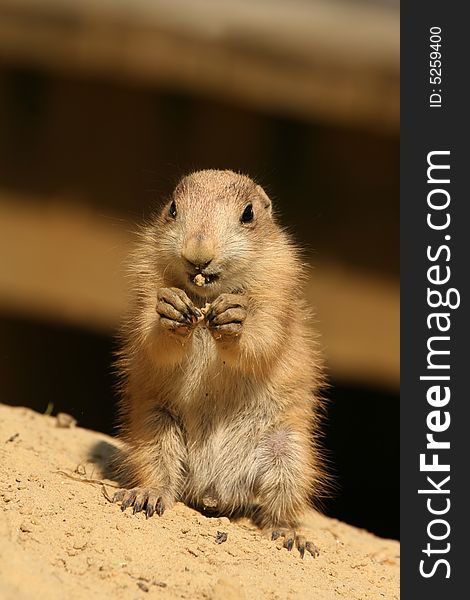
point(220, 371)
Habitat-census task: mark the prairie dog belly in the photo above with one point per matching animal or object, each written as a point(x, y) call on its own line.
point(221, 466)
point(221, 435)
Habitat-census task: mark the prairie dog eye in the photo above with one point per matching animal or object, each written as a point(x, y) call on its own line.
point(247, 215)
point(172, 210)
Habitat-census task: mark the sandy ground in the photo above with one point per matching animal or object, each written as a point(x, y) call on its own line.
point(61, 538)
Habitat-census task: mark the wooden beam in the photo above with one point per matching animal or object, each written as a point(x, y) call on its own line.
point(62, 262)
point(358, 315)
point(329, 60)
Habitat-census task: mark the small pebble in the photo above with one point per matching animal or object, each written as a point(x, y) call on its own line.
point(221, 537)
point(66, 421)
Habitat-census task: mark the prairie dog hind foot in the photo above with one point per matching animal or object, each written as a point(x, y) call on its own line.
point(292, 537)
point(147, 500)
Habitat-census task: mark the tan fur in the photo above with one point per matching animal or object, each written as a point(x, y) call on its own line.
point(235, 419)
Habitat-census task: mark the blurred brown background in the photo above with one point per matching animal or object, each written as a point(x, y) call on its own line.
point(104, 104)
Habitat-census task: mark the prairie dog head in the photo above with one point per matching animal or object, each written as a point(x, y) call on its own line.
point(212, 232)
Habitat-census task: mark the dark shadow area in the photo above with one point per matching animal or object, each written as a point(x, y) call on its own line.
point(106, 456)
point(364, 447)
point(44, 364)
point(72, 369)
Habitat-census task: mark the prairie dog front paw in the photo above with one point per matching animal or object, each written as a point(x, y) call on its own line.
point(176, 311)
point(226, 316)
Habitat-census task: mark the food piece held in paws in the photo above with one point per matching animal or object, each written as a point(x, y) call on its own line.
point(221, 385)
point(204, 311)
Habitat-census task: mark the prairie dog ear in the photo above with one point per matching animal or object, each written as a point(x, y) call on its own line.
point(264, 199)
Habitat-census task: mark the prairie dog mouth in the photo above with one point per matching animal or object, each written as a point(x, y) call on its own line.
point(201, 279)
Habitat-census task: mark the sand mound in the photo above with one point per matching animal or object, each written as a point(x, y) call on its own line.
point(61, 538)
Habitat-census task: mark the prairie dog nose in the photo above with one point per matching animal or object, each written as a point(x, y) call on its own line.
point(199, 251)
